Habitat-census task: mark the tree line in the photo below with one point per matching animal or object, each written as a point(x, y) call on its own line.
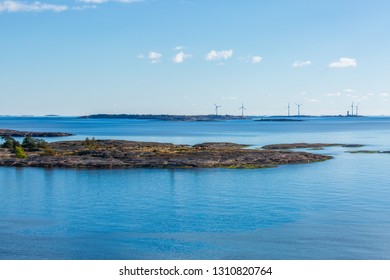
point(28, 144)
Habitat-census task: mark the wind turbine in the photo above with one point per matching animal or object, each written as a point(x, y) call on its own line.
point(242, 108)
point(216, 109)
point(288, 109)
point(299, 108)
point(352, 109)
point(357, 109)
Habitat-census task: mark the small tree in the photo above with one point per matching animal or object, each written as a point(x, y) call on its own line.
point(19, 152)
point(88, 143)
point(41, 144)
point(31, 144)
point(10, 143)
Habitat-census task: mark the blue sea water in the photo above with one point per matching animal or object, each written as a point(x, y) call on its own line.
point(338, 209)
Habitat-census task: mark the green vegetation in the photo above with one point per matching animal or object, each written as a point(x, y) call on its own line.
point(48, 151)
point(19, 152)
point(28, 144)
point(90, 143)
point(10, 143)
point(32, 144)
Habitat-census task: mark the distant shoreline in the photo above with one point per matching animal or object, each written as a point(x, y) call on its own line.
point(166, 117)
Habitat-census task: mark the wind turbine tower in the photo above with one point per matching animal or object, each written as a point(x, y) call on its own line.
point(299, 108)
point(216, 109)
point(357, 109)
point(352, 109)
point(242, 108)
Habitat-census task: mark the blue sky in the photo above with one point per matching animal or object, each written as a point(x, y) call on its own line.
point(181, 56)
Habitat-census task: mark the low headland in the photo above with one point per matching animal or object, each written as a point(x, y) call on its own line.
point(107, 154)
point(17, 133)
point(187, 118)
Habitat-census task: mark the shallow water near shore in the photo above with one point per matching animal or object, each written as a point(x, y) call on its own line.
point(337, 209)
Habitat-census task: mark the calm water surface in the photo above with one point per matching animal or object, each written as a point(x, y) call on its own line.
point(338, 209)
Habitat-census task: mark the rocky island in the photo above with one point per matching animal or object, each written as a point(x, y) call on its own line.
point(313, 146)
point(129, 154)
point(17, 133)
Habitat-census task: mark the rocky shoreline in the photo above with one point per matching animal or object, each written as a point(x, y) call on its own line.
point(17, 133)
point(106, 154)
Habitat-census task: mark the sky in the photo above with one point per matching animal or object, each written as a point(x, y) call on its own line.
point(80, 57)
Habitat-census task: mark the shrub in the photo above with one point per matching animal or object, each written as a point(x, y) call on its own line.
point(19, 152)
point(48, 151)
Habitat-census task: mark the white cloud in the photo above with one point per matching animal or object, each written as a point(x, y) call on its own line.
point(334, 94)
point(179, 48)
point(385, 94)
point(154, 57)
point(15, 6)
point(105, 1)
point(218, 55)
point(12, 6)
point(256, 59)
point(93, 1)
point(301, 63)
point(141, 56)
point(229, 98)
point(343, 63)
point(84, 7)
point(349, 90)
point(180, 57)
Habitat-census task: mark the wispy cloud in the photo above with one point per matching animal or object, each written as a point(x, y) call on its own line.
point(334, 94)
point(154, 57)
point(179, 48)
point(15, 6)
point(301, 63)
point(219, 55)
point(256, 59)
point(343, 62)
point(385, 94)
point(106, 1)
point(180, 57)
point(229, 98)
point(12, 6)
point(349, 90)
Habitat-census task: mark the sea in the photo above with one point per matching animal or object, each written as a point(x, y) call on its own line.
point(338, 209)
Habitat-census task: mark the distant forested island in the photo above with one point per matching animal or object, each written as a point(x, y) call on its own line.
point(205, 118)
point(166, 117)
